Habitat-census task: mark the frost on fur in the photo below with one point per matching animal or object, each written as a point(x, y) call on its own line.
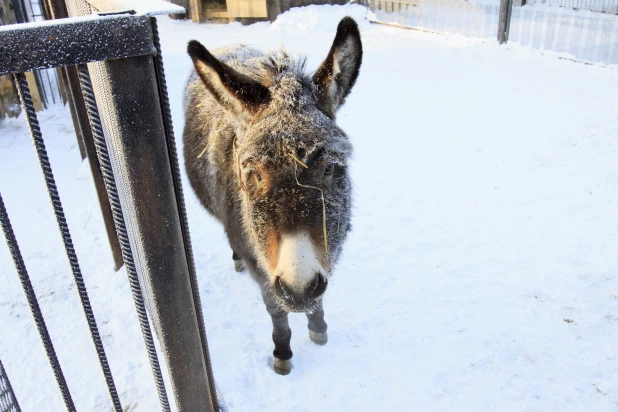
point(266, 158)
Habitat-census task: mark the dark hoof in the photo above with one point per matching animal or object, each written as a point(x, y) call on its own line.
point(318, 338)
point(282, 367)
point(239, 265)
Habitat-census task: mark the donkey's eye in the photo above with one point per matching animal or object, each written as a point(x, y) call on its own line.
point(254, 183)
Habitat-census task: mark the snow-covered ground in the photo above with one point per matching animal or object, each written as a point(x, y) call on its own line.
point(481, 273)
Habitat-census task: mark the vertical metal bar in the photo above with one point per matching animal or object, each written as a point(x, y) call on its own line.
point(37, 138)
point(121, 229)
point(184, 221)
point(33, 303)
point(7, 396)
point(56, 9)
point(86, 132)
point(128, 98)
point(79, 112)
point(73, 110)
point(60, 81)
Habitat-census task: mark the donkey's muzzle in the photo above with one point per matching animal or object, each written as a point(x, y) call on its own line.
point(307, 299)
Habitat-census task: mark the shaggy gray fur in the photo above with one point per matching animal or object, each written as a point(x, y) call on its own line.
point(265, 157)
point(292, 122)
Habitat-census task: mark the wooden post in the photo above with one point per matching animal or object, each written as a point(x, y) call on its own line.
point(7, 15)
point(247, 8)
point(196, 11)
point(9, 100)
point(504, 22)
point(34, 91)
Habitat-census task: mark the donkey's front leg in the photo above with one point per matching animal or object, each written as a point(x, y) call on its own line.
point(239, 265)
point(317, 326)
point(281, 334)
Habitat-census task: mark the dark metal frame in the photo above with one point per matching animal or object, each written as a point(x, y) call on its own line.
point(8, 401)
point(136, 149)
point(72, 41)
point(24, 12)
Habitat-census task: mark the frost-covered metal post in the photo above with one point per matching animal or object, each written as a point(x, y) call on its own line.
point(128, 100)
point(8, 402)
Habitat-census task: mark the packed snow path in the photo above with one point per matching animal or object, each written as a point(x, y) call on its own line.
point(480, 274)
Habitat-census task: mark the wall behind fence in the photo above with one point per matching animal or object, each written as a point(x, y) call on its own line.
point(584, 34)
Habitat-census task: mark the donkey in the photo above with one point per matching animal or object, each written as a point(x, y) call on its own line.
point(265, 157)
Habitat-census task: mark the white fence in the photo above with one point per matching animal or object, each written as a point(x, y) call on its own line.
point(584, 34)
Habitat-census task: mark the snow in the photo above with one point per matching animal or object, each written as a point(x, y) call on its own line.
point(480, 273)
point(148, 7)
point(323, 19)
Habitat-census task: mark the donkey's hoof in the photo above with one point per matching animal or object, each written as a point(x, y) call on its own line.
point(282, 367)
point(239, 265)
point(319, 338)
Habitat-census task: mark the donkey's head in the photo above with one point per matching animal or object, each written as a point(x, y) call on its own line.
point(289, 159)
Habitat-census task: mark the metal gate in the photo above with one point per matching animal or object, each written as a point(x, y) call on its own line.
point(48, 89)
point(112, 51)
point(8, 403)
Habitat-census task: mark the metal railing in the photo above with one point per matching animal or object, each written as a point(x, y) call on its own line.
point(570, 26)
point(112, 56)
point(8, 402)
point(47, 80)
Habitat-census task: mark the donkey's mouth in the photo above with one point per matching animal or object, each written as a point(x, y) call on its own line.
point(307, 306)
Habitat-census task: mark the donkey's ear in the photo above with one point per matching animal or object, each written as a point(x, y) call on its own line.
point(240, 94)
point(338, 73)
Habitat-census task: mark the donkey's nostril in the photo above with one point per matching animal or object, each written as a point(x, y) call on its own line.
point(317, 286)
point(281, 289)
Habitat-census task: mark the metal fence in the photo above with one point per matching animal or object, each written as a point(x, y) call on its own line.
point(119, 96)
point(585, 29)
point(602, 6)
point(47, 81)
point(8, 402)
point(584, 34)
point(450, 16)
